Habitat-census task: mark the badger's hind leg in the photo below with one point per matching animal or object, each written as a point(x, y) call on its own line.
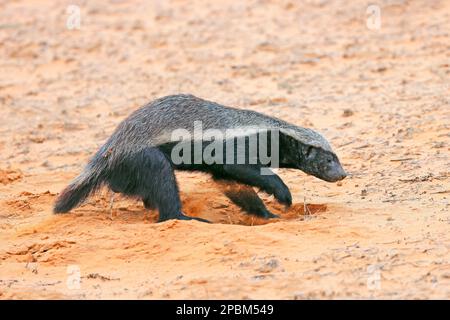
point(149, 175)
point(246, 198)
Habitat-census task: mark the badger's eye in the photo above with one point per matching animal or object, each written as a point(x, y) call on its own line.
point(329, 161)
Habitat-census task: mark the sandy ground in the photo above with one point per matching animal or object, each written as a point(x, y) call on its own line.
point(381, 97)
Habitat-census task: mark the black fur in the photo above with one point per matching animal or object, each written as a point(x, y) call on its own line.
point(131, 164)
point(246, 198)
point(315, 161)
point(251, 175)
point(84, 185)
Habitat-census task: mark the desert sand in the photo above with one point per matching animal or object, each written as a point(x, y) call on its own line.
point(381, 96)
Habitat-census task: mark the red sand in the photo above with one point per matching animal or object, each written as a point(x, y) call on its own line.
point(380, 97)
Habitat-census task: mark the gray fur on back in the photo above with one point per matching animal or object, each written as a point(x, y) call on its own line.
point(153, 124)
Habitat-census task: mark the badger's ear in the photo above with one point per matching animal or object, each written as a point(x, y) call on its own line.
point(309, 152)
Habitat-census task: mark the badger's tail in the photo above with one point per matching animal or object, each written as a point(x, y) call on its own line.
point(83, 186)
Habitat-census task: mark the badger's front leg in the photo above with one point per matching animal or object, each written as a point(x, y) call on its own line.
point(251, 175)
point(246, 198)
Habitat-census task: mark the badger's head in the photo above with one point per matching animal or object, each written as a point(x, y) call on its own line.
point(308, 151)
point(320, 163)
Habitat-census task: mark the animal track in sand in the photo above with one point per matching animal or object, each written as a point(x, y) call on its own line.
point(42, 252)
point(9, 176)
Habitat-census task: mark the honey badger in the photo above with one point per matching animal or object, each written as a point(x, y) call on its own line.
point(138, 160)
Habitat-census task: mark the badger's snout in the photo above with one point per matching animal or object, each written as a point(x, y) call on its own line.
point(341, 175)
point(335, 173)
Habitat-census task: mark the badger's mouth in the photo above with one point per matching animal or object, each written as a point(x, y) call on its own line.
point(335, 174)
point(330, 175)
point(335, 178)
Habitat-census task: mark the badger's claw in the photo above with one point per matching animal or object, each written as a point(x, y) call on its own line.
point(283, 195)
point(182, 216)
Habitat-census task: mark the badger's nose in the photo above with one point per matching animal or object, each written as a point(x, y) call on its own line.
point(342, 174)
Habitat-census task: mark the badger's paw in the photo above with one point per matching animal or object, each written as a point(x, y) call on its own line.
point(271, 215)
point(182, 216)
point(283, 195)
